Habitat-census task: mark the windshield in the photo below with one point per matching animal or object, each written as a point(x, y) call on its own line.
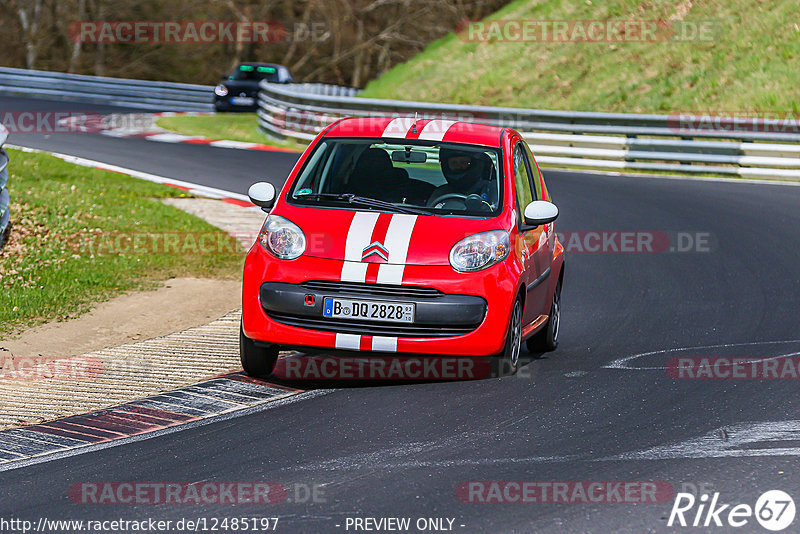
point(255, 72)
point(437, 178)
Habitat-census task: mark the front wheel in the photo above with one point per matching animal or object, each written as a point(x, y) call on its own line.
point(546, 339)
point(509, 359)
point(256, 360)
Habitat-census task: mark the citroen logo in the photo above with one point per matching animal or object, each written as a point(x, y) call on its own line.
point(377, 249)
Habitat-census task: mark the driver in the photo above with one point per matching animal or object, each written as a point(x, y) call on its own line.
point(469, 174)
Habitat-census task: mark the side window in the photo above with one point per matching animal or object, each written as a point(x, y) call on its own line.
point(522, 181)
point(537, 175)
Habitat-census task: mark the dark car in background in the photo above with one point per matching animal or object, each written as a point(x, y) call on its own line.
point(239, 90)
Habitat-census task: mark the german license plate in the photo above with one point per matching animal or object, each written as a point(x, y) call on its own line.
point(368, 310)
point(242, 101)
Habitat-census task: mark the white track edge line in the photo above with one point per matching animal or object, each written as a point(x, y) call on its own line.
point(212, 192)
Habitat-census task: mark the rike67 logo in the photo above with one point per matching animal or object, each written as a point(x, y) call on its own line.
point(774, 510)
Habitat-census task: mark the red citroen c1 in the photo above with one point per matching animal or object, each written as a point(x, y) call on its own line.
point(405, 236)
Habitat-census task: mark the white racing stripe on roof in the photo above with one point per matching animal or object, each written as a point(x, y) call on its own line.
point(398, 127)
point(435, 130)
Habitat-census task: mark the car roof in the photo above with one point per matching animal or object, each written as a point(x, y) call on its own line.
point(257, 64)
point(428, 129)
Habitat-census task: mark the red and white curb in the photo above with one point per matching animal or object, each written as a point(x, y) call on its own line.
point(193, 189)
point(224, 397)
point(143, 126)
point(169, 137)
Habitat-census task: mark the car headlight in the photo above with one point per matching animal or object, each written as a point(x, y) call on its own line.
point(282, 238)
point(479, 251)
point(220, 90)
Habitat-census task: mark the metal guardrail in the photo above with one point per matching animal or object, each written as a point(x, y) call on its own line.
point(753, 148)
point(5, 200)
point(166, 96)
point(324, 89)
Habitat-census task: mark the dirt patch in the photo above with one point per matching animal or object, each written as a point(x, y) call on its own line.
point(180, 304)
point(681, 11)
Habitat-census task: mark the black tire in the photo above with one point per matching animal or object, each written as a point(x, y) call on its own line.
point(256, 360)
point(546, 339)
point(509, 359)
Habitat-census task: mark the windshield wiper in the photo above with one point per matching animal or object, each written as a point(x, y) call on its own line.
point(365, 201)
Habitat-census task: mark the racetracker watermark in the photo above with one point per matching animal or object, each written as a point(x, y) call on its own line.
point(172, 243)
point(687, 123)
point(198, 31)
point(587, 31)
point(722, 368)
point(59, 122)
point(384, 367)
point(193, 524)
point(203, 493)
point(564, 492)
point(46, 368)
point(635, 242)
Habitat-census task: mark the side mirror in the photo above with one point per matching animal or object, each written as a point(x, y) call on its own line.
point(540, 212)
point(262, 194)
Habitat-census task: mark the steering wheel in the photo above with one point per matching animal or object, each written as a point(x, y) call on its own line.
point(447, 196)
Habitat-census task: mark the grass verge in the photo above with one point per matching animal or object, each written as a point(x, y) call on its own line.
point(231, 126)
point(81, 236)
point(745, 62)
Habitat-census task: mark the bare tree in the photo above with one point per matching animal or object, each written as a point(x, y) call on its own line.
point(353, 41)
point(77, 43)
point(29, 13)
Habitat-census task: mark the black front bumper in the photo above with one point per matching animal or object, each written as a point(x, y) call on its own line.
point(223, 103)
point(437, 314)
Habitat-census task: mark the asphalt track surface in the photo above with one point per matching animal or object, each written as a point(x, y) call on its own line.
point(402, 450)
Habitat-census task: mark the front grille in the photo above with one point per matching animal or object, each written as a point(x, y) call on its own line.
point(372, 290)
point(360, 327)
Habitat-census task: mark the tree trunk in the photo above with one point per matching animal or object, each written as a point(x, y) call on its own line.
point(77, 45)
point(100, 52)
point(29, 20)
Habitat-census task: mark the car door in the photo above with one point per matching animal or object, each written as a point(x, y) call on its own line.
point(536, 254)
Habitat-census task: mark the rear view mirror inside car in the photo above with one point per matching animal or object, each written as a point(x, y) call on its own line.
point(409, 156)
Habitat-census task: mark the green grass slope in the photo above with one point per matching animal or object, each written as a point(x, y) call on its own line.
point(750, 63)
point(81, 236)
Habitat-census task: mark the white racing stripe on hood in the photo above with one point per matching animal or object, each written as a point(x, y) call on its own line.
point(358, 237)
point(398, 239)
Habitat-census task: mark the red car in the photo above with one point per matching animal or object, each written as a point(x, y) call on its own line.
point(405, 236)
